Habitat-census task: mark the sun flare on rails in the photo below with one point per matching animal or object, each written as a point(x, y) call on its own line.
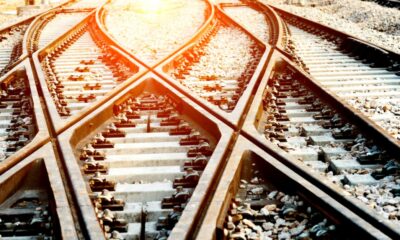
point(148, 6)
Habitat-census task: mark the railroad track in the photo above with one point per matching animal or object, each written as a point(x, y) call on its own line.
point(47, 27)
point(180, 21)
point(141, 155)
point(11, 46)
point(27, 209)
point(220, 69)
point(27, 214)
point(18, 125)
point(255, 16)
point(370, 87)
point(316, 133)
point(258, 197)
point(256, 22)
point(292, 119)
point(81, 70)
point(143, 166)
point(220, 85)
point(33, 201)
point(35, 209)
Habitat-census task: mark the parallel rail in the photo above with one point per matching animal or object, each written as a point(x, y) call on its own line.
point(34, 132)
point(248, 191)
point(66, 75)
point(80, 111)
point(135, 131)
point(283, 126)
point(363, 55)
point(33, 203)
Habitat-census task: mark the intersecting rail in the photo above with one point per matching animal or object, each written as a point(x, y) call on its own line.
point(170, 149)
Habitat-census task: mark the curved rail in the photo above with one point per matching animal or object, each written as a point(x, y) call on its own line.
point(223, 126)
point(34, 40)
point(371, 56)
point(277, 33)
point(252, 129)
point(96, 121)
point(233, 116)
point(40, 21)
point(32, 27)
point(290, 17)
point(250, 169)
point(35, 185)
point(59, 123)
point(41, 133)
point(12, 63)
point(23, 54)
point(100, 21)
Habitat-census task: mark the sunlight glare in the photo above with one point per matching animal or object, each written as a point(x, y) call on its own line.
point(149, 6)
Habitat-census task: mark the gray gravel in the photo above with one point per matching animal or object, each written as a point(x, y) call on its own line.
point(284, 216)
point(366, 20)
